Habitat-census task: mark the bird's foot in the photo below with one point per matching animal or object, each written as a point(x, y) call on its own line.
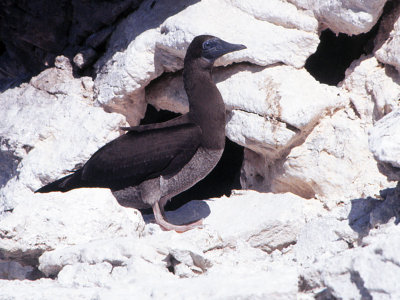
point(181, 228)
point(165, 225)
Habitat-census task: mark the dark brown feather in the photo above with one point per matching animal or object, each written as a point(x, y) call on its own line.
point(135, 157)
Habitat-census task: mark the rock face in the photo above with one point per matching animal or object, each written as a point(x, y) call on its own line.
point(384, 146)
point(155, 38)
point(275, 123)
point(388, 53)
point(57, 116)
point(317, 217)
point(351, 17)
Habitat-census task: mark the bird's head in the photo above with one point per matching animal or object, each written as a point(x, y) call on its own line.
point(209, 48)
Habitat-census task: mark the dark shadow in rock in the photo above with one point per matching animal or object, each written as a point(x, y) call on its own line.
point(325, 294)
point(151, 19)
point(367, 213)
point(154, 116)
point(391, 172)
point(33, 33)
point(359, 216)
point(335, 53)
point(188, 213)
point(14, 270)
point(8, 166)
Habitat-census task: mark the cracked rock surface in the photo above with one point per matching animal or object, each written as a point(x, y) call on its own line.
point(318, 213)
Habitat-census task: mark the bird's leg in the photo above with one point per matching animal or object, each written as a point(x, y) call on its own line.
point(162, 210)
point(164, 224)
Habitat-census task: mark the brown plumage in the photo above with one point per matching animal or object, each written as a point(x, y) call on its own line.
point(152, 163)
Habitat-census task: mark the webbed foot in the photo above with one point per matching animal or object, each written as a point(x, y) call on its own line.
point(165, 225)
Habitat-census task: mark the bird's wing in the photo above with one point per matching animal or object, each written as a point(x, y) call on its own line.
point(138, 156)
point(183, 119)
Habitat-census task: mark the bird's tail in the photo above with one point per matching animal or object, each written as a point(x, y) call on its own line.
point(60, 185)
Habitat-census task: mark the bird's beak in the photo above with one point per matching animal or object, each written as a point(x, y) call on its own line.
point(228, 47)
point(220, 47)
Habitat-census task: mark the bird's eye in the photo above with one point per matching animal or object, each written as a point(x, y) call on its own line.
point(206, 45)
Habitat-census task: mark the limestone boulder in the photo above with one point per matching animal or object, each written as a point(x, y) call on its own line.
point(198, 257)
point(46, 221)
point(280, 216)
point(350, 17)
point(388, 40)
point(49, 126)
point(154, 39)
point(354, 258)
point(315, 166)
point(270, 109)
point(361, 272)
point(282, 285)
point(229, 245)
point(334, 163)
point(383, 143)
point(374, 89)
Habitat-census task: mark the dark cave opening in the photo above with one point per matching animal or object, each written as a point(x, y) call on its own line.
point(8, 166)
point(335, 53)
point(157, 116)
point(221, 181)
point(2, 48)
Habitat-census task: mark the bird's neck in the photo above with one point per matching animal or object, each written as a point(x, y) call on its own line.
point(206, 107)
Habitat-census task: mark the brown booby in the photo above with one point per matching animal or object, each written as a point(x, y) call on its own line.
point(150, 164)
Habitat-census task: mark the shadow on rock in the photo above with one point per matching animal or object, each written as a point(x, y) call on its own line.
point(188, 213)
point(151, 16)
point(367, 213)
point(390, 171)
point(8, 166)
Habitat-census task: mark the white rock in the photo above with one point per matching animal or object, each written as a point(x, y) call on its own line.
point(363, 272)
point(185, 253)
point(323, 238)
point(57, 114)
point(115, 251)
point(78, 273)
point(374, 89)
point(350, 17)
point(259, 134)
point(389, 53)
point(383, 143)
point(155, 38)
point(47, 221)
point(279, 13)
point(207, 261)
point(333, 164)
point(265, 221)
point(239, 26)
point(46, 289)
point(281, 284)
point(272, 108)
point(281, 93)
point(167, 93)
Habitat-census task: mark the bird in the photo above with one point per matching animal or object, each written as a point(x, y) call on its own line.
point(150, 164)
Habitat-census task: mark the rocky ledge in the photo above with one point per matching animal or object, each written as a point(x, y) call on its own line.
point(317, 214)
